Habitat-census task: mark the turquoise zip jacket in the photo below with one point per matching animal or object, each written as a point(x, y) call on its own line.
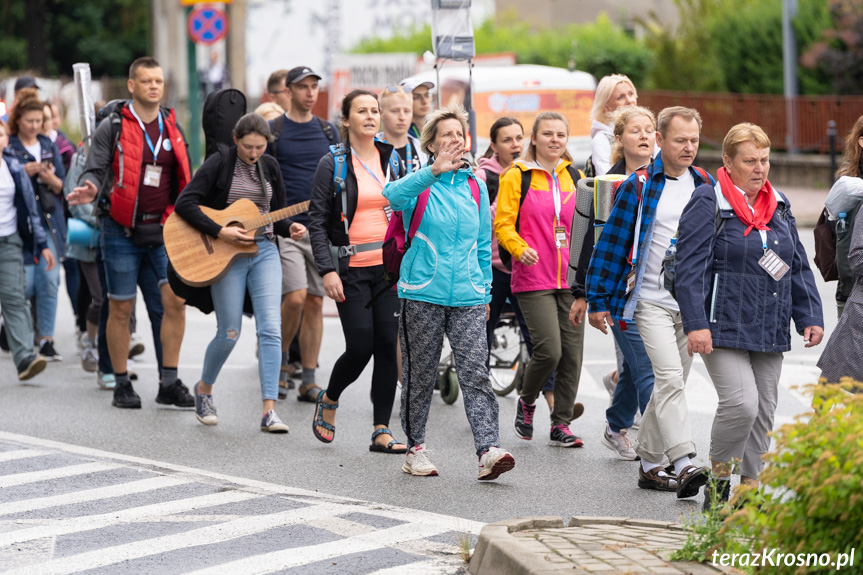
point(449, 260)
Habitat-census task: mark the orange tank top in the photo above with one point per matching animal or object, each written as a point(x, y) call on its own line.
point(370, 221)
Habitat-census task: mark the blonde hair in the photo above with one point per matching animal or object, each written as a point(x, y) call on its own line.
point(544, 117)
point(429, 133)
point(663, 121)
point(269, 110)
point(620, 118)
point(603, 93)
point(742, 133)
point(386, 94)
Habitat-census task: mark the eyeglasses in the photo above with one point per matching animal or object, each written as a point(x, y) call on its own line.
point(395, 90)
point(277, 92)
point(418, 97)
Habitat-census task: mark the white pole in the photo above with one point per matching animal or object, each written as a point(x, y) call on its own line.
point(789, 62)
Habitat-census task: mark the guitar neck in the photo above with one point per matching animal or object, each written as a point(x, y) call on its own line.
point(267, 219)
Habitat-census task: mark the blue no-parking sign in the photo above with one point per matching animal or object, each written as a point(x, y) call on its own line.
point(207, 25)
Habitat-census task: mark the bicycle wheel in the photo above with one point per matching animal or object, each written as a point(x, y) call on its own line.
point(449, 386)
point(505, 357)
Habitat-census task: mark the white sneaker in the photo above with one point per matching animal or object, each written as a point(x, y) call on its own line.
point(106, 380)
point(494, 462)
point(136, 345)
point(418, 463)
point(90, 359)
point(608, 383)
point(620, 444)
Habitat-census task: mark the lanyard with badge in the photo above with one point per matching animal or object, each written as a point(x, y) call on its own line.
point(559, 230)
point(152, 172)
point(770, 262)
point(387, 209)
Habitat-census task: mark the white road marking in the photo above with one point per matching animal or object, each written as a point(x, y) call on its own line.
point(21, 454)
point(430, 567)
point(55, 473)
point(95, 494)
point(287, 558)
point(86, 523)
point(209, 535)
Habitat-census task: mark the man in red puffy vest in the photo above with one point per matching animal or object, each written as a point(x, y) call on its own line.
point(141, 158)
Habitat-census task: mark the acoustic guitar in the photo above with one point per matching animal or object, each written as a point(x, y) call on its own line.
point(201, 260)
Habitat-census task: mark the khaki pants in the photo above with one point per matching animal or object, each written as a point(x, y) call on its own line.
point(665, 424)
point(558, 347)
point(747, 383)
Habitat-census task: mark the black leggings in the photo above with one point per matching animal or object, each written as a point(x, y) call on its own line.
point(368, 333)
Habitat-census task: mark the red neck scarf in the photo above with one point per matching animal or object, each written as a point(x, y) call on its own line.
point(765, 203)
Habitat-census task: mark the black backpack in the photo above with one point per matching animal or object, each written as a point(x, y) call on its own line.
point(505, 256)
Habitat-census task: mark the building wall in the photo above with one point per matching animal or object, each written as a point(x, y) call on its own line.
point(550, 13)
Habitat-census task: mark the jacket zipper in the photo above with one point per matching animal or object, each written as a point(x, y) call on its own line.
point(713, 299)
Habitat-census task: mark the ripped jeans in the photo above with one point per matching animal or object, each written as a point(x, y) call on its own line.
point(261, 277)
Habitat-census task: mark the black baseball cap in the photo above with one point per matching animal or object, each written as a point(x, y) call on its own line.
point(26, 82)
point(299, 73)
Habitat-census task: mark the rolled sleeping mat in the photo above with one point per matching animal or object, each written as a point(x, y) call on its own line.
point(580, 224)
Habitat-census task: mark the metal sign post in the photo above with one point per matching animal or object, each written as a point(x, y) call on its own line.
point(453, 39)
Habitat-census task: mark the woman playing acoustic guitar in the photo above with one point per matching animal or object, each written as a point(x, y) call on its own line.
point(260, 276)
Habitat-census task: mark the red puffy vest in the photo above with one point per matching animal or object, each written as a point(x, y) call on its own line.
point(128, 157)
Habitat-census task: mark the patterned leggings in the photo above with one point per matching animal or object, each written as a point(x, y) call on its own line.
point(422, 328)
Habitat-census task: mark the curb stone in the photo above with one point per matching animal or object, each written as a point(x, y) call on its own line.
point(587, 545)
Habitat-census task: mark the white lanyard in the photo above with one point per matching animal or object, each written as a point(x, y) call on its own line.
point(147, 136)
point(555, 192)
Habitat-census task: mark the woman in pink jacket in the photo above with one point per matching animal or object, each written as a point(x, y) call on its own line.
point(533, 225)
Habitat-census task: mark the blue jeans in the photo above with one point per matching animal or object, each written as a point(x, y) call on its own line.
point(261, 276)
point(44, 285)
point(635, 380)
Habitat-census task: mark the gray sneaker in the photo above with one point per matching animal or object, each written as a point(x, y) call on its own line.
point(619, 443)
point(272, 424)
point(205, 411)
point(90, 359)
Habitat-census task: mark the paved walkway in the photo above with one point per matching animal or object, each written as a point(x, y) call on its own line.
point(606, 545)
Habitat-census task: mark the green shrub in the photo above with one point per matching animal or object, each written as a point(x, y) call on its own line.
point(811, 496)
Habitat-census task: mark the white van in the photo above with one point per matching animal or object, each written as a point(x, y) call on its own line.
point(522, 91)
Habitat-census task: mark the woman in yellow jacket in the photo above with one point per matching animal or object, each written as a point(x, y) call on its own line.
point(534, 226)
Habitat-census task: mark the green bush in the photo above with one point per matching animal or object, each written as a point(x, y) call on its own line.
point(811, 495)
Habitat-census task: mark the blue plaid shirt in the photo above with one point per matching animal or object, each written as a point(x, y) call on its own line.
point(609, 265)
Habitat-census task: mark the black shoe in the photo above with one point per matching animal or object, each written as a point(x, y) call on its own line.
point(690, 479)
point(175, 394)
point(4, 343)
point(47, 351)
point(31, 366)
point(716, 494)
point(125, 397)
point(523, 419)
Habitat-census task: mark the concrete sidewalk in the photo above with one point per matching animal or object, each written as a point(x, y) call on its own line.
point(607, 545)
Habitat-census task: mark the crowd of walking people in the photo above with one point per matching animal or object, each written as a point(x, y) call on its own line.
point(685, 263)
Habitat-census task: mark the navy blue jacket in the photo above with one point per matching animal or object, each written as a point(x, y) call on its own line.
point(719, 284)
point(54, 222)
point(29, 225)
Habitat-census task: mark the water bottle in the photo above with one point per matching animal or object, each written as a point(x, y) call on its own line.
point(840, 225)
point(668, 266)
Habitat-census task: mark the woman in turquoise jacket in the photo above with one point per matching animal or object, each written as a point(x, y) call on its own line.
point(445, 287)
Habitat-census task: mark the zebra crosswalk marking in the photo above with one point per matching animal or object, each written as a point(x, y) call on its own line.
point(56, 473)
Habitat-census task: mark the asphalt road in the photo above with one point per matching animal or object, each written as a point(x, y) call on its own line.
point(65, 405)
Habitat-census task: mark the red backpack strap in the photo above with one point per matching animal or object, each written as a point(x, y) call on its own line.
point(417, 215)
point(640, 178)
point(474, 189)
point(703, 173)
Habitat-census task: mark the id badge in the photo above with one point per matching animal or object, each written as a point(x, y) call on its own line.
point(152, 175)
point(630, 280)
point(773, 265)
point(560, 236)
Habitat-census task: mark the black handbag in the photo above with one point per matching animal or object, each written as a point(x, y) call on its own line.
point(46, 198)
point(148, 235)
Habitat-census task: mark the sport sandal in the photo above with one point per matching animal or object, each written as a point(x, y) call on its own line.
point(319, 418)
point(388, 448)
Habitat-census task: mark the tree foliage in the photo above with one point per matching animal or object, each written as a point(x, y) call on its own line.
point(600, 48)
point(48, 36)
point(839, 49)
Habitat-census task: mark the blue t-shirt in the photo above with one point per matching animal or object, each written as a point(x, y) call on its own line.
point(299, 149)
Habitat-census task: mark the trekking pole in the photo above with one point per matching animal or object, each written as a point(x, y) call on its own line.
point(831, 146)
